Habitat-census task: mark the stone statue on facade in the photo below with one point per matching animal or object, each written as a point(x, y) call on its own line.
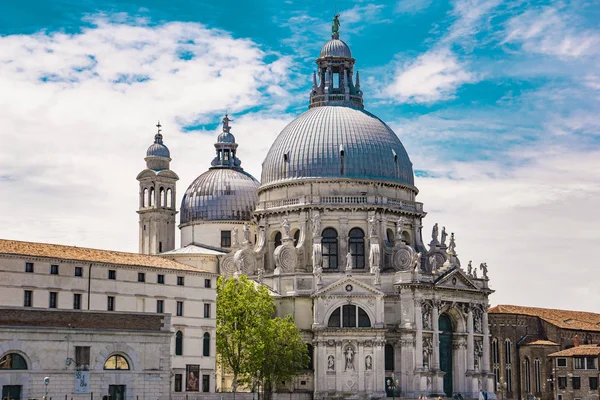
point(400, 224)
point(240, 268)
point(226, 121)
point(444, 235)
point(260, 275)
point(477, 322)
point(475, 273)
point(349, 262)
point(415, 261)
point(286, 229)
point(433, 262)
point(331, 363)
point(484, 268)
point(335, 26)
point(246, 233)
point(470, 268)
point(368, 363)
point(316, 225)
point(373, 226)
point(452, 245)
point(349, 354)
point(434, 234)
point(427, 351)
point(234, 237)
point(426, 316)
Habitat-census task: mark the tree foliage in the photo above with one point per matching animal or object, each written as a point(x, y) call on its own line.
point(252, 344)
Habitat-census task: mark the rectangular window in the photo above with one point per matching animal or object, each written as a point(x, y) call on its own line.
point(593, 383)
point(160, 306)
point(576, 382)
point(141, 277)
point(207, 311)
point(53, 299)
point(110, 306)
point(112, 274)
point(78, 271)
point(178, 382)
point(207, 283)
point(590, 363)
point(561, 362)
point(54, 269)
point(160, 278)
point(205, 383)
point(76, 301)
point(82, 358)
point(180, 281)
point(562, 382)
point(579, 362)
point(225, 238)
point(29, 267)
point(180, 308)
point(27, 298)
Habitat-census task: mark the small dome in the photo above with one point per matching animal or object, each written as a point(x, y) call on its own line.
point(337, 142)
point(336, 48)
point(220, 194)
point(158, 150)
point(226, 137)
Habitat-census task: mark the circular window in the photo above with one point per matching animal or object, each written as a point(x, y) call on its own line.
point(349, 288)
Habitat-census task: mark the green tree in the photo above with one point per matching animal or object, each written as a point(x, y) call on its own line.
point(242, 310)
point(281, 354)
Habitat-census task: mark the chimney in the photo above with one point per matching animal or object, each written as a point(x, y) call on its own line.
point(576, 341)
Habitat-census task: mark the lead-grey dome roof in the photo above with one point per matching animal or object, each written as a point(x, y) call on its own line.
point(337, 142)
point(335, 48)
point(220, 194)
point(158, 150)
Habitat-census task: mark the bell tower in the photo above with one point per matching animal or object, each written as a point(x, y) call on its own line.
point(157, 199)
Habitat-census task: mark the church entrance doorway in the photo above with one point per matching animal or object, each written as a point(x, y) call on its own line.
point(445, 327)
point(12, 392)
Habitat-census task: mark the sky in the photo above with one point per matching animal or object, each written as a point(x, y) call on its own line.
point(496, 102)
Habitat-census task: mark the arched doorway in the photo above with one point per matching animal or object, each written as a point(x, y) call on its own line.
point(445, 328)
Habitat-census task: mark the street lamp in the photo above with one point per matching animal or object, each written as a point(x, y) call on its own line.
point(393, 384)
point(46, 382)
point(503, 387)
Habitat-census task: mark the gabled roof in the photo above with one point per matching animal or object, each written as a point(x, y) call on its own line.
point(462, 282)
point(582, 350)
point(339, 288)
point(577, 320)
point(541, 342)
point(83, 254)
point(194, 249)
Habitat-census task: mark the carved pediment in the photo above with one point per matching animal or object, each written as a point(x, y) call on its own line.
point(348, 286)
point(456, 279)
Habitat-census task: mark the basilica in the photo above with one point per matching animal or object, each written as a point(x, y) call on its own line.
point(334, 230)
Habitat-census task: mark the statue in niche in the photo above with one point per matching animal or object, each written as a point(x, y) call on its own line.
point(433, 262)
point(484, 268)
point(316, 225)
point(246, 233)
point(426, 316)
point(349, 354)
point(331, 363)
point(373, 226)
point(286, 228)
point(470, 268)
point(400, 227)
point(415, 262)
point(434, 233)
point(427, 351)
point(368, 363)
point(477, 322)
point(349, 262)
point(444, 235)
point(234, 237)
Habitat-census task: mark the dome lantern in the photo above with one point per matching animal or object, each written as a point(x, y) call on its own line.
point(226, 147)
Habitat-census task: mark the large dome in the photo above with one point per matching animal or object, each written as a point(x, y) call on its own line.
point(220, 194)
point(337, 142)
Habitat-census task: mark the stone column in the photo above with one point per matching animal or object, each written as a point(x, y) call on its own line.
point(470, 341)
point(378, 360)
point(435, 361)
point(419, 334)
point(360, 366)
point(486, 342)
point(317, 361)
point(339, 365)
point(343, 243)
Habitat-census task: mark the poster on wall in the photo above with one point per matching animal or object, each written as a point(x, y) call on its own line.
point(82, 382)
point(192, 382)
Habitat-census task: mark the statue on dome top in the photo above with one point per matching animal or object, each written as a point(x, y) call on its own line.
point(226, 121)
point(335, 27)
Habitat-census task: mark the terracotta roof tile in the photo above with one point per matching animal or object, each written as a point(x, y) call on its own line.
point(542, 343)
point(582, 350)
point(577, 320)
point(55, 251)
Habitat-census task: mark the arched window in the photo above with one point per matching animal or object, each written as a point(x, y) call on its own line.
point(169, 198)
point(356, 243)
point(179, 343)
point(527, 372)
point(329, 243)
point(496, 363)
point(537, 372)
point(389, 233)
point(145, 199)
point(507, 365)
point(349, 316)
point(117, 362)
point(311, 351)
point(13, 361)
point(162, 200)
point(277, 240)
point(152, 197)
point(296, 237)
point(389, 357)
point(206, 345)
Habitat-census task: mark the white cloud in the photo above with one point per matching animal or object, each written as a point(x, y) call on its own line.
point(74, 134)
point(552, 31)
point(412, 6)
point(431, 77)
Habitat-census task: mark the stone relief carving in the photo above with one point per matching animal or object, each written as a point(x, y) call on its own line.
point(331, 363)
point(228, 266)
point(286, 257)
point(368, 363)
point(349, 357)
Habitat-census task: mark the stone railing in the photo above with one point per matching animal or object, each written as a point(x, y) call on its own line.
point(342, 200)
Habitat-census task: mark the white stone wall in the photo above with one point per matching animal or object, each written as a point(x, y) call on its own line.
point(209, 233)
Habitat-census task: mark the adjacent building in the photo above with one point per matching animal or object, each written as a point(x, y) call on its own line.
point(576, 372)
point(530, 350)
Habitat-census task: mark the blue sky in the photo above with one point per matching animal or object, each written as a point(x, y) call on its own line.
point(495, 101)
